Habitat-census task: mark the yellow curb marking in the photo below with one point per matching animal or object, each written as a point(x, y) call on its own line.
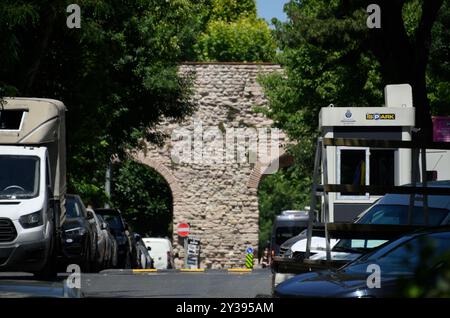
point(239, 270)
point(149, 270)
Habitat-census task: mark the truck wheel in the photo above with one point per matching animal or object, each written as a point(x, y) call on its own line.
point(50, 269)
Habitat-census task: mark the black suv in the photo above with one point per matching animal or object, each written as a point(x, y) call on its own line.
point(79, 238)
point(121, 232)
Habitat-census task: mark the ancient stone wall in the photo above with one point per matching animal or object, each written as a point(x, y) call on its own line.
point(213, 190)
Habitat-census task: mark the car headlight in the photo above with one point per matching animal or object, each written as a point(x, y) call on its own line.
point(76, 231)
point(31, 220)
point(121, 240)
point(288, 253)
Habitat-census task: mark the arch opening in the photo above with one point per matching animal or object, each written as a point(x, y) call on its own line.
point(144, 197)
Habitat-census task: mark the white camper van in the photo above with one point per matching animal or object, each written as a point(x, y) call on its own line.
point(32, 183)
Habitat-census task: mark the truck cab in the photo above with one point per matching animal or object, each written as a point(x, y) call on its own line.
point(32, 183)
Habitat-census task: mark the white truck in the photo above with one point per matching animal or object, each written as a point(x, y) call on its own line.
point(32, 184)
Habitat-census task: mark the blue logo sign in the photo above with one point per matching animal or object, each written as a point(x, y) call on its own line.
point(348, 114)
point(249, 250)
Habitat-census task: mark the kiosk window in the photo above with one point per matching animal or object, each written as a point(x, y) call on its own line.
point(365, 167)
point(382, 167)
point(353, 167)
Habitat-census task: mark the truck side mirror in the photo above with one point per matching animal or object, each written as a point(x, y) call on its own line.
point(90, 216)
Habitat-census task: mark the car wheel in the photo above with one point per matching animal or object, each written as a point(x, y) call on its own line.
point(86, 267)
point(128, 261)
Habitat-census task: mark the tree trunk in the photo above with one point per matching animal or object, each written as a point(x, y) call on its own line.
point(48, 17)
point(404, 59)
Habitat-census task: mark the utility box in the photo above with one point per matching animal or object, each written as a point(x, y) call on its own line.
point(363, 165)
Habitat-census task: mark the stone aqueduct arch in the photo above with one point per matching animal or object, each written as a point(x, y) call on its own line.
point(219, 201)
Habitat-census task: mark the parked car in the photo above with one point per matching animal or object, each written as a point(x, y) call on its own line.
point(113, 253)
point(79, 237)
point(120, 231)
point(399, 262)
point(104, 242)
point(390, 209)
point(160, 250)
point(144, 259)
point(134, 246)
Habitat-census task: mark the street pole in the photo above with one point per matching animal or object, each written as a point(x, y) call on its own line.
point(108, 183)
point(185, 252)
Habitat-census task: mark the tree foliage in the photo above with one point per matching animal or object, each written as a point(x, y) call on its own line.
point(438, 71)
point(246, 40)
point(324, 64)
point(234, 33)
point(117, 74)
point(232, 10)
point(330, 57)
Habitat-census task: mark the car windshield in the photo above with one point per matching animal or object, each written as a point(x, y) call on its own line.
point(420, 252)
point(19, 177)
point(398, 215)
point(390, 214)
point(114, 222)
point(283, 233)
point(72, 208)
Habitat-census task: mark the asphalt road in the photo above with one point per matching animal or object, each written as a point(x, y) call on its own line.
point(170, 284)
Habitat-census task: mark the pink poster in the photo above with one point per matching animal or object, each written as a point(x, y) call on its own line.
point(441, 129)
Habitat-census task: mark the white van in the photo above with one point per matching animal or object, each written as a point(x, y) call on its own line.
point(160, 250)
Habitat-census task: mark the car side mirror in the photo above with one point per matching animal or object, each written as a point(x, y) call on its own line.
point(149, 248)
point(90, 216)
point(104, 226)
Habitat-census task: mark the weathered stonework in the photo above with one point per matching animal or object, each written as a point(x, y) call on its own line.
point(219, 200)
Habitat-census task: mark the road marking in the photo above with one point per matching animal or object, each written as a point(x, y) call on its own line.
point(239, 270)
point(148, 270)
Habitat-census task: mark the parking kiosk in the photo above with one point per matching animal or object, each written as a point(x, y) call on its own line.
point(363, 165)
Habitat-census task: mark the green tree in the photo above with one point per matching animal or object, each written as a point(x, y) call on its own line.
point(117, 74)
point(331, 57)
point(323, 64)
point(234, 33)
point(232, 10)
point(246, 40)
point(438, 71)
